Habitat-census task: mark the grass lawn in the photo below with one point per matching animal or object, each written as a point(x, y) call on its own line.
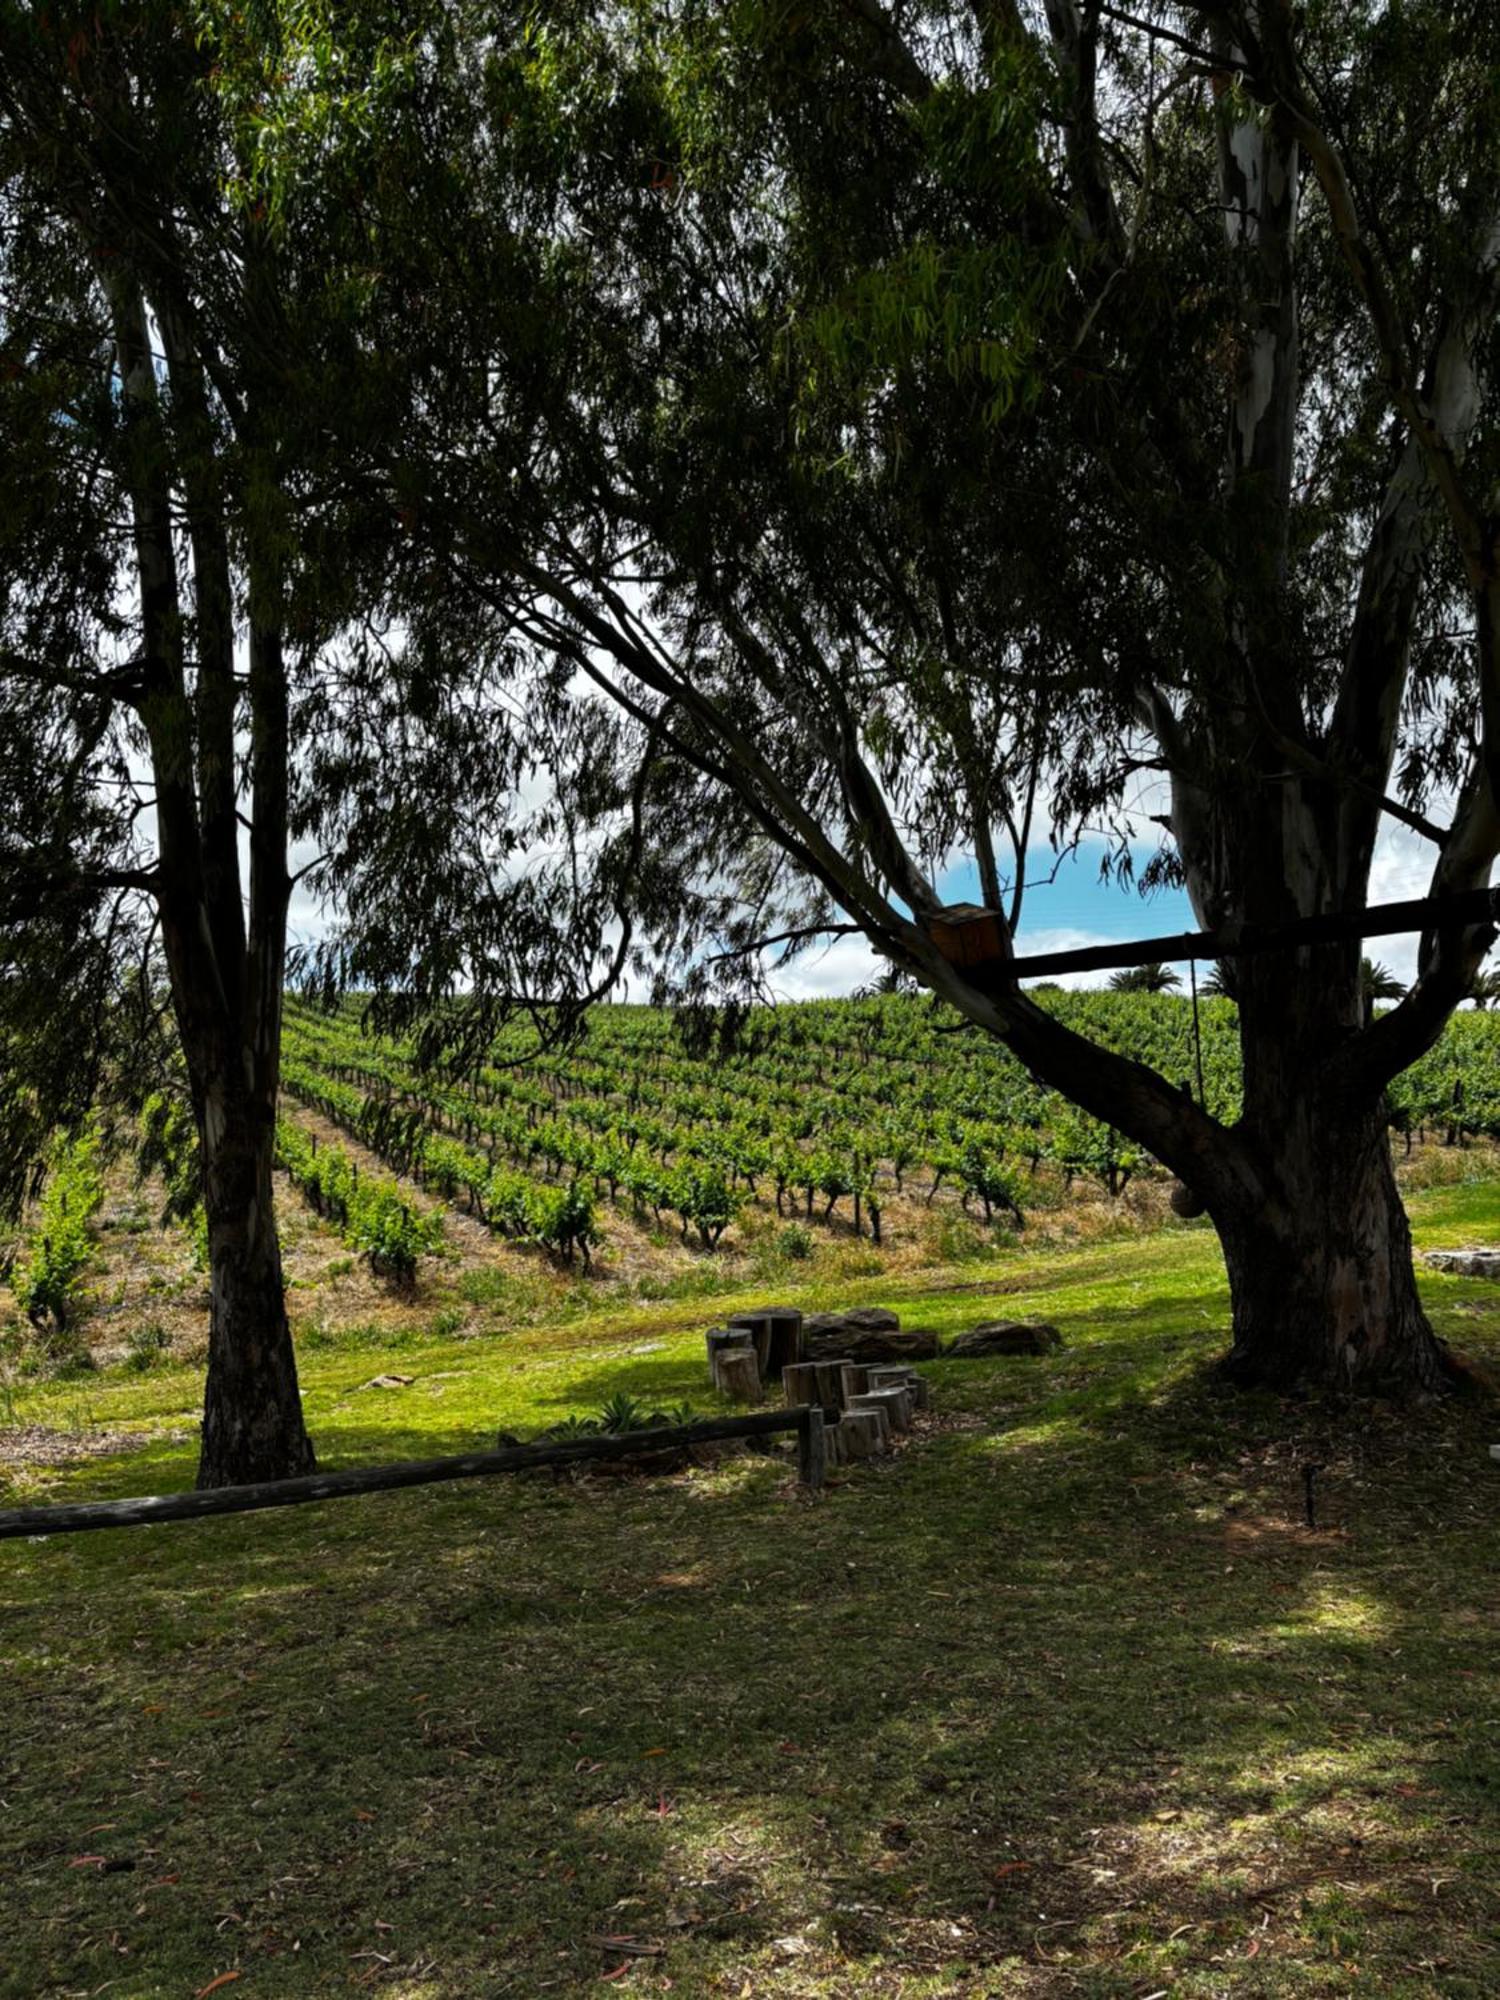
point(1065, 1699)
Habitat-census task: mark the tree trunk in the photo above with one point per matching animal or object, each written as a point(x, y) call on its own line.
point(252, 1412)
point(1321, 1283)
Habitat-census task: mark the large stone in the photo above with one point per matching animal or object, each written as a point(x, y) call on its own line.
point(1470, 1263)
point(864, 1334)
point(1006, 1336)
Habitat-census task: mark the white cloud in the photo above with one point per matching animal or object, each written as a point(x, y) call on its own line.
point(828, 973)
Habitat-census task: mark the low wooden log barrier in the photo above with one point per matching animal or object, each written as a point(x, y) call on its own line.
point(72, 1519)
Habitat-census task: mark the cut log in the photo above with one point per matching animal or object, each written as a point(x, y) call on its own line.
point(1007, 1336)
point(860, 1434)
point(719, 1339)
point(739, 1374)
point(858, 1377)
point(874, 1413)
point(835, 1385)
point(800, 1381)
point(835, 1444)
point(893, 1374)
point(896, 1402)
point(777, 1333)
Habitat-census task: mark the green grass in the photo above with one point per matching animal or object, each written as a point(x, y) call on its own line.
point(1064, 1700)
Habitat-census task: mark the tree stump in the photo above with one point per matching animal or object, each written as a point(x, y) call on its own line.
point(835, 1383)
point(721, 1340)
point(875, 1409)
point(892, 1375)
point(777, 1333)
point(895, 1402)
point(861, 1434)
point(739, 1374)
point(800, 1381)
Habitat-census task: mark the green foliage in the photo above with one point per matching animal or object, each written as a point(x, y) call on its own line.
point(48, 1273)
point(1153, 977)
point(371, 1211)
point(146, 1346)
point(622, 1412)
point(820, 1104)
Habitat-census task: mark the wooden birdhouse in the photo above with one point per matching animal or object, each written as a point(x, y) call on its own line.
point(968, 936)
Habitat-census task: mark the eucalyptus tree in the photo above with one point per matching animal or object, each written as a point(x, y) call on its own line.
point(956, 410)
point(184, 332)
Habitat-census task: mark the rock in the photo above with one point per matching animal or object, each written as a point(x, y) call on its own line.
point(1471, 1263)
point(861, 1319)
point(1006, 1336)
point(864, 1334)
point(390, 1381)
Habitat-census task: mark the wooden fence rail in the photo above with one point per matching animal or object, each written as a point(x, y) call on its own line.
point(807, 1422)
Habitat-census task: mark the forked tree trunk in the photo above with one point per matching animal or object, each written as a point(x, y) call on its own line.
point(1321, 1284)
point(252, 1411)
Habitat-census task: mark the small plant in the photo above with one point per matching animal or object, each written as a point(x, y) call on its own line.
point(146, 1345)
point(622, 1412)
point(46, 1277)
point(446, 1323)
point(794, 1243)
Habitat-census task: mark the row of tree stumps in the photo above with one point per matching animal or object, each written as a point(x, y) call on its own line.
point(865, 1404)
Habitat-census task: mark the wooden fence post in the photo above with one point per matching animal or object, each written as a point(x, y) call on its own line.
point(812, 1448)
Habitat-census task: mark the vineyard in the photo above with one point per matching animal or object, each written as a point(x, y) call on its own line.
point(826, 1114)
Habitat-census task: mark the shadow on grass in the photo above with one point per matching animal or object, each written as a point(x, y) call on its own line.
point(1065, 1698)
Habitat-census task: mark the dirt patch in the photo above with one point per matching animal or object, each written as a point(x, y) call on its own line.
point(32, 1445)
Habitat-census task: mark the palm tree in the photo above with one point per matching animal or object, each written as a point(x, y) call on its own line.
point(1218, 982)
point(1152, 978)
point(1485, 989)
point(1378, 982)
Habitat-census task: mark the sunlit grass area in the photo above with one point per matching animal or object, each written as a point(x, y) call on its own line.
point(1065, 1699)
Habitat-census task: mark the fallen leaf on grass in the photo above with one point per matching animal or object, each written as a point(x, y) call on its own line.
point(214, 1984)
point(1010, 1868)
point(87, 1861)
point(659, 1751)
point(619, 1971)
point(363, 1812)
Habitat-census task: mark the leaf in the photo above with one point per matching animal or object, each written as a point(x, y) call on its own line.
point(363, 1812)
point(619, 1971)
point(1010, 1868)
point(214, 1984)
point(659, 1751)
point(88, 1861)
